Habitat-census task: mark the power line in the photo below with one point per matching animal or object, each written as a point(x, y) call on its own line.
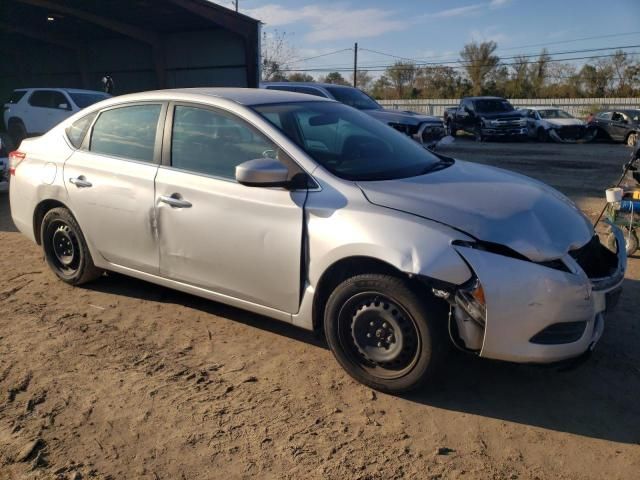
point(384, 67)
point(322, 55)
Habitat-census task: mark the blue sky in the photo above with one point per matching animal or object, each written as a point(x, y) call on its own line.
point(436, 30)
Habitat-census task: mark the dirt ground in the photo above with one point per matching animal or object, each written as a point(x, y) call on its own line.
point(124, 379)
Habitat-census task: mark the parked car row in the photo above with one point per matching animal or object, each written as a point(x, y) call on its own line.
point(492, 117)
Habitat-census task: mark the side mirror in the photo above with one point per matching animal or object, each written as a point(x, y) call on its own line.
point(262, 172)
point(64, 106)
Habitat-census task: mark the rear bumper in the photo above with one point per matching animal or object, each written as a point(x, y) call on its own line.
point(524, 298)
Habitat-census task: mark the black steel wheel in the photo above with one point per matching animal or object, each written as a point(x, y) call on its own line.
point(383, 334)
point(65, 249)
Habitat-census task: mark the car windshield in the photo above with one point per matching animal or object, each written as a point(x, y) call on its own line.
point(354, 98)
point(553, 113)
point(494, 105)
point(634, 114)
point(348, 143)
point(83, 100)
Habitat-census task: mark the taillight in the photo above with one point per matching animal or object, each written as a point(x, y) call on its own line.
point(15, 158)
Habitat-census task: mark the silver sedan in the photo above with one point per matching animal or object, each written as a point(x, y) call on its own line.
point(310, 212)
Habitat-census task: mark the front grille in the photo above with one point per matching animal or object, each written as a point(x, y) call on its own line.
point(595, 259)
point(559, 333)
point(432, 133)
point(406, 129)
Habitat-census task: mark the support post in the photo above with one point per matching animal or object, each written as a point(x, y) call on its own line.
point(355, 65)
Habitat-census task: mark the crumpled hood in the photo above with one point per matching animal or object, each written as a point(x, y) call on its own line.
point(403, 117)
point(490, 204)
point(564, 122)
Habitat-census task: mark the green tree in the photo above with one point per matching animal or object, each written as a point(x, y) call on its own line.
point(479, 62)
point(300, 77)
point(336, 78)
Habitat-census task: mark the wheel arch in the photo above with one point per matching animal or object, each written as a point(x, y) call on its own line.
point(351, 266)
point(40, 211)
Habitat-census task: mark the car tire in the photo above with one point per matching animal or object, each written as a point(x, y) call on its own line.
point(542, 135)
point(630, 239)
point(384, 334)
point(477, 132)
point(17, 131)
point(451, 129)
point(632, 139)
point(65, 248)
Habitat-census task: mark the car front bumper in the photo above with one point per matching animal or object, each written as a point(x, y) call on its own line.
point(525, 298)
point(504, 131)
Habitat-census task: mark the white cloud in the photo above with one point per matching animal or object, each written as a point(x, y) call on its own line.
point(330, 22)
point(499, 3)
point(488, 34)
point(455, 12)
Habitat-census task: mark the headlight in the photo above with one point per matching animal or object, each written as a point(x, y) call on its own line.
point(471, 299)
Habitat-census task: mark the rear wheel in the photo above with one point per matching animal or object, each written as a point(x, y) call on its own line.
point(65, 249)
point(17, 131)
point(383, 334)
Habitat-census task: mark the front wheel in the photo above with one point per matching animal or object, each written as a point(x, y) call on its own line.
point(632, 139)
point(65, 249)
point(383, 334)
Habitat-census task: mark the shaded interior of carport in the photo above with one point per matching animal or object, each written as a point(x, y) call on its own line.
point(141, 44)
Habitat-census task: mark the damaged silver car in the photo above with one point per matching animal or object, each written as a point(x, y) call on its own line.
point(553, 124)
point(310, 212)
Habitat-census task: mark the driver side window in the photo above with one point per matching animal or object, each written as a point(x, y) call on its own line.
point(213, 143)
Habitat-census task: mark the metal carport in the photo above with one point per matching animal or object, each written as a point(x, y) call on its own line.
point(142, 44)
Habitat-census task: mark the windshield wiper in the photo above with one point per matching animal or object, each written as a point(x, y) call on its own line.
point(441, 164)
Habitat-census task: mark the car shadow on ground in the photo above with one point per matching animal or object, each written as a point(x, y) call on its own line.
point(597, 399)
point(6, 224)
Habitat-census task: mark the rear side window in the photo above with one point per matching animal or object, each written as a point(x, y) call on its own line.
point(128, 132)
point(78, 129)
point(310, 91)
point(604, 115)
point(83, 100)
point(214, 143)
point(48, 99)
point(16, 96)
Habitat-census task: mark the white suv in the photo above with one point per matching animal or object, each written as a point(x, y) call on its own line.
point(33, 111)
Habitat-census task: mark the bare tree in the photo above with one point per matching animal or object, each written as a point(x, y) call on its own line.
point(363, 80)
point(539, 72)
point(479, 61)
point(276, 53)
point(402, 76)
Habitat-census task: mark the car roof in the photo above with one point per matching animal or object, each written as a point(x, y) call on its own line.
point(304, 84)
point(545, 107)
point(243, 96)
point(70, 90)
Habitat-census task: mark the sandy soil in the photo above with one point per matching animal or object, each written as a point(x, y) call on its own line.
point(124, 379)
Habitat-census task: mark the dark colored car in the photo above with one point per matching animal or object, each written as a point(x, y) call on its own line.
point(422, 128)
point(618, 125)
point(486, 117)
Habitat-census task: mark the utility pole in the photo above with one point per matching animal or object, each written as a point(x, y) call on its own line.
point(236, 2)
point(355, 65)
